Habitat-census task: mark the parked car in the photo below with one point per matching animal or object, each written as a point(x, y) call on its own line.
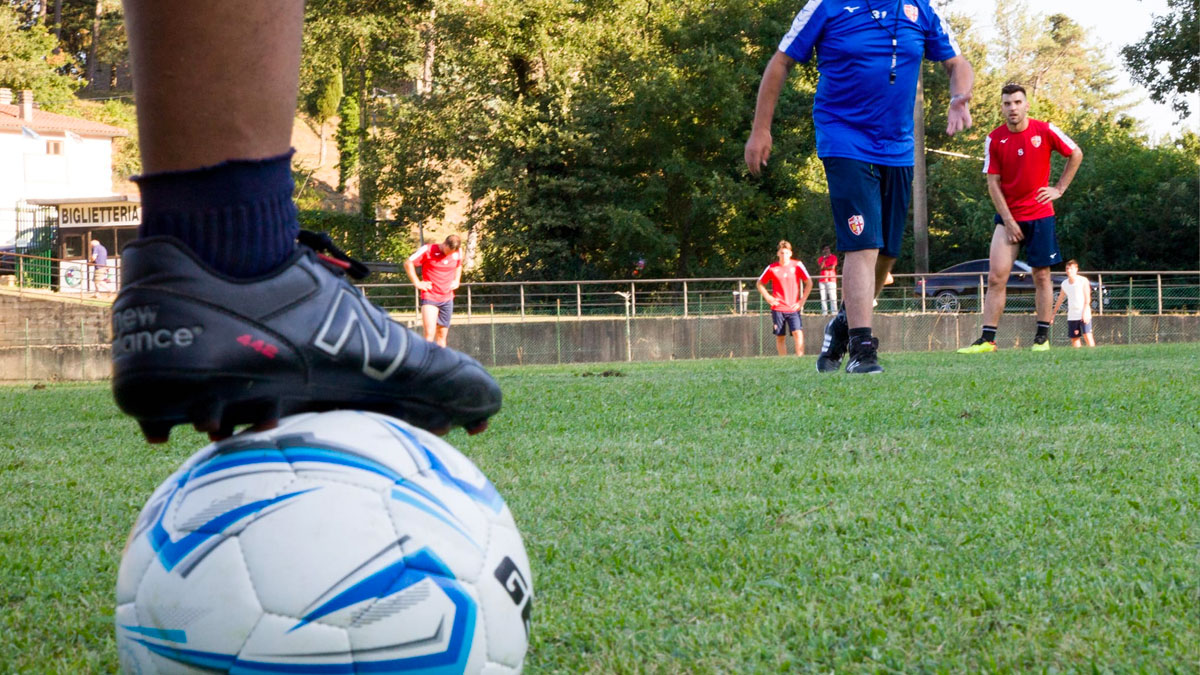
point(953, 285)
point(32, 242)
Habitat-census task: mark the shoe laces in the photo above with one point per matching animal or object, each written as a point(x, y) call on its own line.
point(333, 256)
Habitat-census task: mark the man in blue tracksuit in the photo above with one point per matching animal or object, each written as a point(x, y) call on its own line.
point(869, 55)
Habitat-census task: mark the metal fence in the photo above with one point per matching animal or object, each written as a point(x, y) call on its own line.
point(627, 320)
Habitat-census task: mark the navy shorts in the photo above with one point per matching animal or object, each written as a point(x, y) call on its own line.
point(1077, 329)
point(1040, 242)
point(783, 323)
point(445, 309)
point(870, 204)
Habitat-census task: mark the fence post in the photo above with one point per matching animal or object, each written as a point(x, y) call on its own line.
point(760, 324)
point(416, 301)
point(1100, 283)
point(632, 299)
point(1129, 313)
point(629, 327)
point(82, 361)
point(468, 301)
point(685, 308)
point(492, 309)
point(522, 289)
point(981, 296)
point(557, 330)
point(578, 302)
point(28, 353)
point(1159, 277)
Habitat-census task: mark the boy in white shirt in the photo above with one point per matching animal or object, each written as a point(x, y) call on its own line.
point(1077, 291)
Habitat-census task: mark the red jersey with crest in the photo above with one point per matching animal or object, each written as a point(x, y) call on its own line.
point(438, 268)
point(1022, 160)
point(785, 284)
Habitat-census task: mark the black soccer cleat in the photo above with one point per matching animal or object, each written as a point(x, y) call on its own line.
point(192, 346)
point(837, 337)
point(864, 357)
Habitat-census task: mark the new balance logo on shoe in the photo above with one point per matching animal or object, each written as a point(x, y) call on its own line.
point(127, 339)
point(383, 348)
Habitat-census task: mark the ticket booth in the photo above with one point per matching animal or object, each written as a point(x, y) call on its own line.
point(112, 221)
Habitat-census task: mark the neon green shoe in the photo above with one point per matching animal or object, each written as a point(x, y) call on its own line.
point(979, 346)
point(1043, 346)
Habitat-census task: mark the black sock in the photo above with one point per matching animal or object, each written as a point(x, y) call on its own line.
point(989, 334)
point(1043, 329)
point(858, 335)
point(237, 216)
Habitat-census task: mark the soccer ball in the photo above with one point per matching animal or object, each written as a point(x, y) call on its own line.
point(340, 542)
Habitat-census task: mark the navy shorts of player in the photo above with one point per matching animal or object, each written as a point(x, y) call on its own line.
point(1040, 242)
point(785, 323)
point(1077, 328)
point(445, 310)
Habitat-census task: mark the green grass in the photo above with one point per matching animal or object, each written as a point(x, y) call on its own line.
point(1004, 512)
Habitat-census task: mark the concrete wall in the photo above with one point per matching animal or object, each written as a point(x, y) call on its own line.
point(41, 339)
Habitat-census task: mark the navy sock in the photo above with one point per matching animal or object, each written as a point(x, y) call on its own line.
point(1043, 329)
point(237, 216)
point(989, 334)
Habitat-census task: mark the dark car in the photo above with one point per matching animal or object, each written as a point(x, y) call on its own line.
point(954, 286)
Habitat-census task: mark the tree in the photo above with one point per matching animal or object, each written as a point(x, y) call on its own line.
point(1167, 60)
point(323, 103)
point(349, 135)
point(28, 61)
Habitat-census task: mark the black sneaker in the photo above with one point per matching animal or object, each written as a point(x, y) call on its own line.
point(191, 345)
point(837, 337)
point(864, 357)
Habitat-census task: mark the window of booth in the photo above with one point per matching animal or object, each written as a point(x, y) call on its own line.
point(124, 236)
point(73, 246)
point(107, 238)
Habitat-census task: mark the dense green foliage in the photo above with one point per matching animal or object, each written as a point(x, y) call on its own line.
point(1023, 513)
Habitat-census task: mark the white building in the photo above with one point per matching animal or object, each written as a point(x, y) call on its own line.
point(45, 156)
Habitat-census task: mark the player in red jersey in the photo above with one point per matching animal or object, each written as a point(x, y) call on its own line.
point(790, 286)
point(441, 267)
point(827, 279)
point(1017, 164)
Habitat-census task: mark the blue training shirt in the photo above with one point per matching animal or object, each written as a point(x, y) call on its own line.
point(858, 115)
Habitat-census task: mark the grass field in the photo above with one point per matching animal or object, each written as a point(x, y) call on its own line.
point(1005, 512)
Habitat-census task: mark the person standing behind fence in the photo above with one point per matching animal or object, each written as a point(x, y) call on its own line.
point(790, 286)
point(98, 257)
point(441, 267)
point(827, 280)
point(1077, 291)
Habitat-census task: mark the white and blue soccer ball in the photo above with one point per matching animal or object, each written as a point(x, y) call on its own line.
point(340, 542)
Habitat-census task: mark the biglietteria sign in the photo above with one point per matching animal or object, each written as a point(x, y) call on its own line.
point(80, 215)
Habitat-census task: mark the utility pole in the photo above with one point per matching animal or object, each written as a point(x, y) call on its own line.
point(919, 197)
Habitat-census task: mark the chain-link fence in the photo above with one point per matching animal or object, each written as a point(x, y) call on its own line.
point(642, 319)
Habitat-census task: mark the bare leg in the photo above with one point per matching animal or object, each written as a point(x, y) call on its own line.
point(781, 344)
point(1075, 343)
point(1091, 341)
point(859, 281)
point(440, 334)
point(215, 80)
point(1043, 293)
point(883, 267)
point(1002, 255)
point(798, 337)
point(429, 321)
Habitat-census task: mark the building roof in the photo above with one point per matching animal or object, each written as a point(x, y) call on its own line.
point(10, 120)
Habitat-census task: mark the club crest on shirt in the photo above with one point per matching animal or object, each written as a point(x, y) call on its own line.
point(856, 223)
point(911, 12)
point(1036, 141)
